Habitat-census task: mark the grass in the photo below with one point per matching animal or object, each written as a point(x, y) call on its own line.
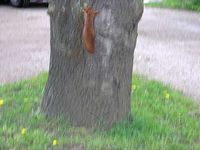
point(177, 4)
point(162, 119)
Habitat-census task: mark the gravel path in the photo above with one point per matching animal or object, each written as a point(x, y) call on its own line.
point(168, 49)
point(168, 46)
point(24, 42)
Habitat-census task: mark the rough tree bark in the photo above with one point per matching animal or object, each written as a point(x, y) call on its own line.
point(91, 89)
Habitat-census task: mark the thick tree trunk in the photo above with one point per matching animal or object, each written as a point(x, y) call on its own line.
point(91, 89)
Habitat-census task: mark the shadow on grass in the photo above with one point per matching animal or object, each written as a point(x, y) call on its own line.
point(136, 126)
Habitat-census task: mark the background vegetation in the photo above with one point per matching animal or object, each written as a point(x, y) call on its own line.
point(180, 4)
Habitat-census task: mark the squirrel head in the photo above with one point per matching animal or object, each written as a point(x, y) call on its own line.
point(89, 11)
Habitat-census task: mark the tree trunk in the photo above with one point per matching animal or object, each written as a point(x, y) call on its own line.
point(91, 89)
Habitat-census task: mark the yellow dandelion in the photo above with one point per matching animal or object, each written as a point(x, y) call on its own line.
point(23, 131)
point(167, 96)
point(55, 142)
point(1, 102)
point(134, 87)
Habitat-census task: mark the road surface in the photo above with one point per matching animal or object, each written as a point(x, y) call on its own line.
point(24, 42)
point(168, 47)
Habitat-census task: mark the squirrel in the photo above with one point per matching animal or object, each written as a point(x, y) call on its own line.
point(88, 30)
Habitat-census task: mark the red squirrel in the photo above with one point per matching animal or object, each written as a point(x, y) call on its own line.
point(88, 30)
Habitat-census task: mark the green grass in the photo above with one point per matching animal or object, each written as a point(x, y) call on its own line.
point(177, 4)
point(162, 119)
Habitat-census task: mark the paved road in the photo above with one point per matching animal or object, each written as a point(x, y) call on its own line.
point(168, 46)
point(168, 49)
point(24, 42)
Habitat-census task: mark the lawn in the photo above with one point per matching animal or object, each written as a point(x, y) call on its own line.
point(177, 4)
point(162, 118)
